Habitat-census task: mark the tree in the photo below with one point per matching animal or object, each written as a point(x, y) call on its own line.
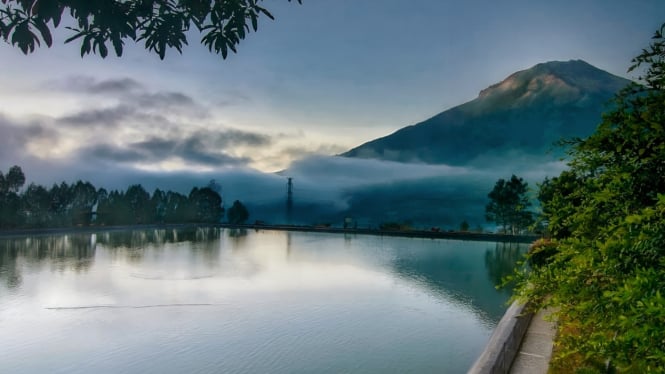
point(238, 214)
point(205, 206)
point(508, 205)
point(10, 184)
point(607, 219)
point(158, 203)
point(36, 206)
point(14, 179)
point(176, 206)
point(138, 201)
point(84, 197)
point(159, 24)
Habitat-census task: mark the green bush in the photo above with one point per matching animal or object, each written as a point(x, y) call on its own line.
point(607, 218)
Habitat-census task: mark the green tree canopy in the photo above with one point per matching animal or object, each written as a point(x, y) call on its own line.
point(159, 24)
point(238, 214)
point(205, 206)
point(607, 218)
point(10, 185)
point(508, 205)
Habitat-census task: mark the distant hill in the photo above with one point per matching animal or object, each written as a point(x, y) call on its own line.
point(521, 116)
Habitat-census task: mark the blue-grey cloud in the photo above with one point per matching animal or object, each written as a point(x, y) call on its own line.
point(233, 97)
point(109, 117)
point(106, 152)
point(122, 85)
point(237, 137)
point(162, 100)
point(131, 101)
point(207, 148)
point(299, 152)
point(190, 151)
point(15, 136)
point(90, 85)
point(204, 147)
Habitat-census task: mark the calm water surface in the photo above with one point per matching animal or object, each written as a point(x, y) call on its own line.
point(222, 301)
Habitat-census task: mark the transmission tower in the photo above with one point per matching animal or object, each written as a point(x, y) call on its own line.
point(289, 200)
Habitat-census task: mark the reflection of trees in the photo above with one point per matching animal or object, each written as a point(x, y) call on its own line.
point(142, 238)
point(238, 238)
point(456, 277)
point(459, 275)
point(9, 272)
point(64, 252)
point(77, 251)
point(237, 233)
point(502, 261)
point(132, 244)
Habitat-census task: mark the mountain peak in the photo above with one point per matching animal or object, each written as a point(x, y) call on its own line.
point(526, 113)
point(559, 77)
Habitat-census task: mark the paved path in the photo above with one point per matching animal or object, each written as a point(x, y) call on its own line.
point(536, 349)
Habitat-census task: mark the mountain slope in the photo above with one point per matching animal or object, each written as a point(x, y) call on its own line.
point(521, 116)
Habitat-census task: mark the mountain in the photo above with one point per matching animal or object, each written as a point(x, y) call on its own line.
point(522, 116)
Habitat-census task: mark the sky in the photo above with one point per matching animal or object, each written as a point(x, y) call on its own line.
point(324, 77)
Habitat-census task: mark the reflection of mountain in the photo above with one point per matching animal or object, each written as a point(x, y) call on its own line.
point(523, 114)
point(464, 276)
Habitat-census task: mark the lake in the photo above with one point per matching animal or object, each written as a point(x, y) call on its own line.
point(226, 301)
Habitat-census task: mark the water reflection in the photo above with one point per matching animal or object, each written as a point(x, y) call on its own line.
point(502, 261)
point(457, 272)
point(66, 252)
point(239, 301)
point(141, 238)
point(77, 251)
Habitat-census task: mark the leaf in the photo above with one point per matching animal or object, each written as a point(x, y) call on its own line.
point(44, 31)
point(24, 37)
point(101, 46)
point(117, 45)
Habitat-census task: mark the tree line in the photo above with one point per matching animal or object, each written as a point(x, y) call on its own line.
point(82, 204)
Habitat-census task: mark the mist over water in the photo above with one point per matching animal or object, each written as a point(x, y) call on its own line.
point(326, 189)
point(211, 300)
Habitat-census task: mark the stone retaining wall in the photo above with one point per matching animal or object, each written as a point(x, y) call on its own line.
point(504, 343)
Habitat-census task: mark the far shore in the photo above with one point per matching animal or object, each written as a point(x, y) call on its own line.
point(457, 235)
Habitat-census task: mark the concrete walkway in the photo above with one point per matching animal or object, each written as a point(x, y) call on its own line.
point(536, 349)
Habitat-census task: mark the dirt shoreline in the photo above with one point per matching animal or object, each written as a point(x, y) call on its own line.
point(473, 236)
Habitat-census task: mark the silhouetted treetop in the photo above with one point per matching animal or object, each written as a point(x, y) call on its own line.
point(160, 24)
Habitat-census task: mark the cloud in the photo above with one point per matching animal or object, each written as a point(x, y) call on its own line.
point(233, 97)
point(204, 148)
point(106, 152)
point(355, 172)
point(193, 149)
point(90, 85)
point(125, 99)
point(15, 136)
point(232, 137)
point(122, 85)
point(298, 152)
point(158, 100)
point(155, 151)
point(108, 117)
point(127, 90)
